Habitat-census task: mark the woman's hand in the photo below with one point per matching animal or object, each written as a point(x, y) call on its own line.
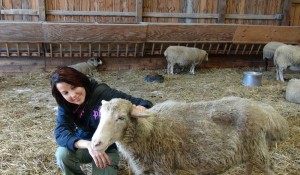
point(137, 110)
point(101, 159)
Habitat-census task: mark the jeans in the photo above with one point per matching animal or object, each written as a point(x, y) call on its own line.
point(69, 162)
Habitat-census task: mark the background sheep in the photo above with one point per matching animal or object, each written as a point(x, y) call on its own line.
point(286, 56)
point(292, 93)
point(88, 66)
point(269, 50)
point(191, 138)
point(184, 56)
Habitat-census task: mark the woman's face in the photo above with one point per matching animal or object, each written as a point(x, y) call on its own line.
point(75, 95)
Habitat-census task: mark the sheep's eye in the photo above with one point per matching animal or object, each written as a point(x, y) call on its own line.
point(121, 118)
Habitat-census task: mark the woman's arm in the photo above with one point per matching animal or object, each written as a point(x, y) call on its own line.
point(108, 93)
point(65, 130)
point(101, 159)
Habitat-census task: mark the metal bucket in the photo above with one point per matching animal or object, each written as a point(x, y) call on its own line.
point(252, 79)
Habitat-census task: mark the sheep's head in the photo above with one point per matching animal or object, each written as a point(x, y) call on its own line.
point(205, 55)
point(94, 61)
point(116, 116)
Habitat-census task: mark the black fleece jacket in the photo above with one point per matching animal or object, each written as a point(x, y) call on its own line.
point(75, 123)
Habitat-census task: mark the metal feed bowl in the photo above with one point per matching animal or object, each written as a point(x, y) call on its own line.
point(252, 78)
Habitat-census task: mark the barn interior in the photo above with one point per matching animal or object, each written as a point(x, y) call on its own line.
point(130, 36)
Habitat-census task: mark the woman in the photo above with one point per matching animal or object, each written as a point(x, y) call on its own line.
point(79, 99)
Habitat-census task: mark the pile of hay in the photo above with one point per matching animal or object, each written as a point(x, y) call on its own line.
point(28, 112)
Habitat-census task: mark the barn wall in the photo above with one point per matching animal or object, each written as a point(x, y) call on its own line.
point(134, 33)
point(258, 12)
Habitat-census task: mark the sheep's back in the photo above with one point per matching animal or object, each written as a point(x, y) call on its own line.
point(212, 133)
point(287, 55)
point(182, 55)
point(269, 49)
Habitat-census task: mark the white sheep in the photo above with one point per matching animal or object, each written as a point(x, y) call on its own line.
point(184, 56)
point(286, 56)
point(269, 50)
point(292, 93)
point(87, 67)
point(206, 137)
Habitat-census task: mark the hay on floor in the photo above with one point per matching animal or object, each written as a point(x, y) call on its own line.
point(28, 112)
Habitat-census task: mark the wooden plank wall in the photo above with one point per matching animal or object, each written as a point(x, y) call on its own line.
point(295, 14)
point(125, 40)
point(254, 12)
point(254, 7)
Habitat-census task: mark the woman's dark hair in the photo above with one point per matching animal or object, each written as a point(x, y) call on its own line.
point(71, 76)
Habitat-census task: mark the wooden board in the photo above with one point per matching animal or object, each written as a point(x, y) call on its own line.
point(264, 34)
point(94, 32)
point(190, 33)
point(21, 32)
point(13, 65)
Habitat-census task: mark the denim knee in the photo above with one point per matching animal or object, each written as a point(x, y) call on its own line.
point(62, 153)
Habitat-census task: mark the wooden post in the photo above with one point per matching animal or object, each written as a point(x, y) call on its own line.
point(221, 11)
point(42, 10)
point(286, 13)
point(139, 11)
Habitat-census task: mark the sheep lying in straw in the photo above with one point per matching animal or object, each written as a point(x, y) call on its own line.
point(88, 66)
point(286, 56)
point(269, 50)
point(292, 93)
point(206, 137)
point(184, 56)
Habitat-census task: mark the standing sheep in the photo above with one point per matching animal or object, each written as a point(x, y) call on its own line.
point(88, 66)
point(286, 56)
point(184, 56)
point(269, 50)
point(175, 138)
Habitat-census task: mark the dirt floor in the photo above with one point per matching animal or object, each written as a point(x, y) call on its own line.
point(28, 112)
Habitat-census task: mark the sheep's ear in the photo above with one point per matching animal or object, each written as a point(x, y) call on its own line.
point(134, 112)
point(104, 102)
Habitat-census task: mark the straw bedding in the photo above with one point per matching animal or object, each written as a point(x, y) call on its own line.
point(28, 113)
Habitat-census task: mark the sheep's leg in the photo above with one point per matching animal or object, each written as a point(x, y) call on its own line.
point(277, 73)
point(192, 69)
point(170, 68)
point(280, 73)
point(266, 64)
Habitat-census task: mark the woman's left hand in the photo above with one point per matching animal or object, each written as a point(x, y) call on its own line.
point(137, 110)
point(101, 159)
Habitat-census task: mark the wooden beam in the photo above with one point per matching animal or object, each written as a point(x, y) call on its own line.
point(265, 34)
point(254, 17)
point(77, 32)
point(180, 15)
point(190, 33)
point(21, 32)
point(88, 13)
point(19, 12)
